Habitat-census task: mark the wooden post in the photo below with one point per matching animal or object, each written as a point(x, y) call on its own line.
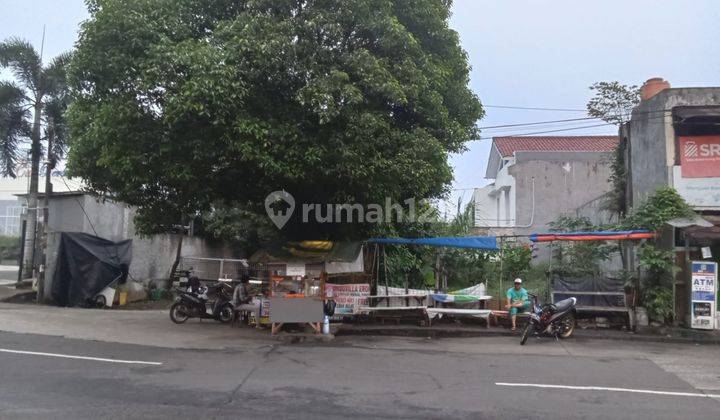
point(323, 280)
point(407, 299)
point(437, 271)
point(387, 291)
point(374, 275)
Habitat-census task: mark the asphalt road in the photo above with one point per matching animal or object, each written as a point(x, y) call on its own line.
point(8, 274)
point(369, 378)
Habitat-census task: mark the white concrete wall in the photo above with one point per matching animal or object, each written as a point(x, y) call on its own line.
point(495, 203)
point(152, 256)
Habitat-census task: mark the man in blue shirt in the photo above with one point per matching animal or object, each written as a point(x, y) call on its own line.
point(517, 300)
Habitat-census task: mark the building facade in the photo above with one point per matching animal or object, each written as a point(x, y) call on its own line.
point(12, 210)
point(538, 179)
point(673, 139)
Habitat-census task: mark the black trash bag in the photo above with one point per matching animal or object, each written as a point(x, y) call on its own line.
point(329, 307)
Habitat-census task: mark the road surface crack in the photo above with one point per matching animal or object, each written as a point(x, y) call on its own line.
point(244, 380)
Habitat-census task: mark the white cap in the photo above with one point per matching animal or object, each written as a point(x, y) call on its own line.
point(518, 280)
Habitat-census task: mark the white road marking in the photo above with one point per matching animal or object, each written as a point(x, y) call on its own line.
point(603, 388)
point(69, 356)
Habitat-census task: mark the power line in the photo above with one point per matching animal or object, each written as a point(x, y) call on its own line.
point(551, 131)
point(537, 123)
point(575, 128)
point(552, 123)
point(534, 108)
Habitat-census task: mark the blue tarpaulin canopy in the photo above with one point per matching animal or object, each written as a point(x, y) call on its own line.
point(474, 242)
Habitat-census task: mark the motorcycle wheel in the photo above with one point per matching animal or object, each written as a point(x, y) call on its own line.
point(568, 324)
point(225, 314)
point(179, 313)
point(527, 332)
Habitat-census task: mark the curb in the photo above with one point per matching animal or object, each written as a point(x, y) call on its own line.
point(469, 333)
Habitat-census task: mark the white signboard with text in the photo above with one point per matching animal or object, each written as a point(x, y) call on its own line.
point(295, 269)
point(698, 192)
point(703, 294)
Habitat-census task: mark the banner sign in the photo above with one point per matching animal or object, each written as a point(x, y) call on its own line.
point(700, 156)
point(704, 290)
point(348, 296)
point(703, 193)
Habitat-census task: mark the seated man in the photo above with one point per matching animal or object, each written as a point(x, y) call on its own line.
point(517, 300)
point(242, 300)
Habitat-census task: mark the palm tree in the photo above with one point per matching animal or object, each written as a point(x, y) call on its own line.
point(31, 111)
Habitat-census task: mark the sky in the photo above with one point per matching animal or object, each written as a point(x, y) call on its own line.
point(523, 53)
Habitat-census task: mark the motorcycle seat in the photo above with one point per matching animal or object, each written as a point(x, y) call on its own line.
point(563, 305)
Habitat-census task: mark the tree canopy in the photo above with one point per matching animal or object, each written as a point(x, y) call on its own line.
point(39, 88)
point(613, 102)
point(184, 106)
point(42, 89)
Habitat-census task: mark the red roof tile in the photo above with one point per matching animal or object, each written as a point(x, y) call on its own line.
point(509, 145)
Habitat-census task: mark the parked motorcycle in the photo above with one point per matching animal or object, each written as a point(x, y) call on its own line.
point(209, 302)
point(557, 319)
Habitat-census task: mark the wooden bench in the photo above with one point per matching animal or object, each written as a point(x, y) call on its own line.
point(497, 315)
point(476, 313)
point(397, 313)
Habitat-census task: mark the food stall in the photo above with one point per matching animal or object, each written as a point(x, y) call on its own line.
point(297, 274)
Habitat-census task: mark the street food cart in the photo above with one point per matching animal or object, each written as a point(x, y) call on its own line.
point(297, 275)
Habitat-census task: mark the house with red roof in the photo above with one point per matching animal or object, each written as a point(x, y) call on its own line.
point(537, 179)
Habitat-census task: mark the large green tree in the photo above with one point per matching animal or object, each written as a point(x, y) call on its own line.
point(31, 111)
point(185, 105)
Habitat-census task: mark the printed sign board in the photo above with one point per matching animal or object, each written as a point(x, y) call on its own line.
point(348, 296)
point(700, 156)
point(703, 193)
point(704, 291)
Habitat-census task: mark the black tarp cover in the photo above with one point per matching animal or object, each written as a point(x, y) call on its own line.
point(86, 264)
point(561, 284)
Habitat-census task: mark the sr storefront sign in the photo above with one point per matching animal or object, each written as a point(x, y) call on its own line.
point(700, 156)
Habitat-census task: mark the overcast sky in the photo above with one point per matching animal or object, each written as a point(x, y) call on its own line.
point(529, 53)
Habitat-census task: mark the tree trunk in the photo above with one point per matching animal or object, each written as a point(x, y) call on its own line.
point(178, 255)
point(32, 201)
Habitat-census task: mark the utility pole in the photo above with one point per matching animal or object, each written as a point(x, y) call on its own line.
point(49, 166)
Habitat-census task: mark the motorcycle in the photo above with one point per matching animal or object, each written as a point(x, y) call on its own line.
point(557, 319)
point(205, 302)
